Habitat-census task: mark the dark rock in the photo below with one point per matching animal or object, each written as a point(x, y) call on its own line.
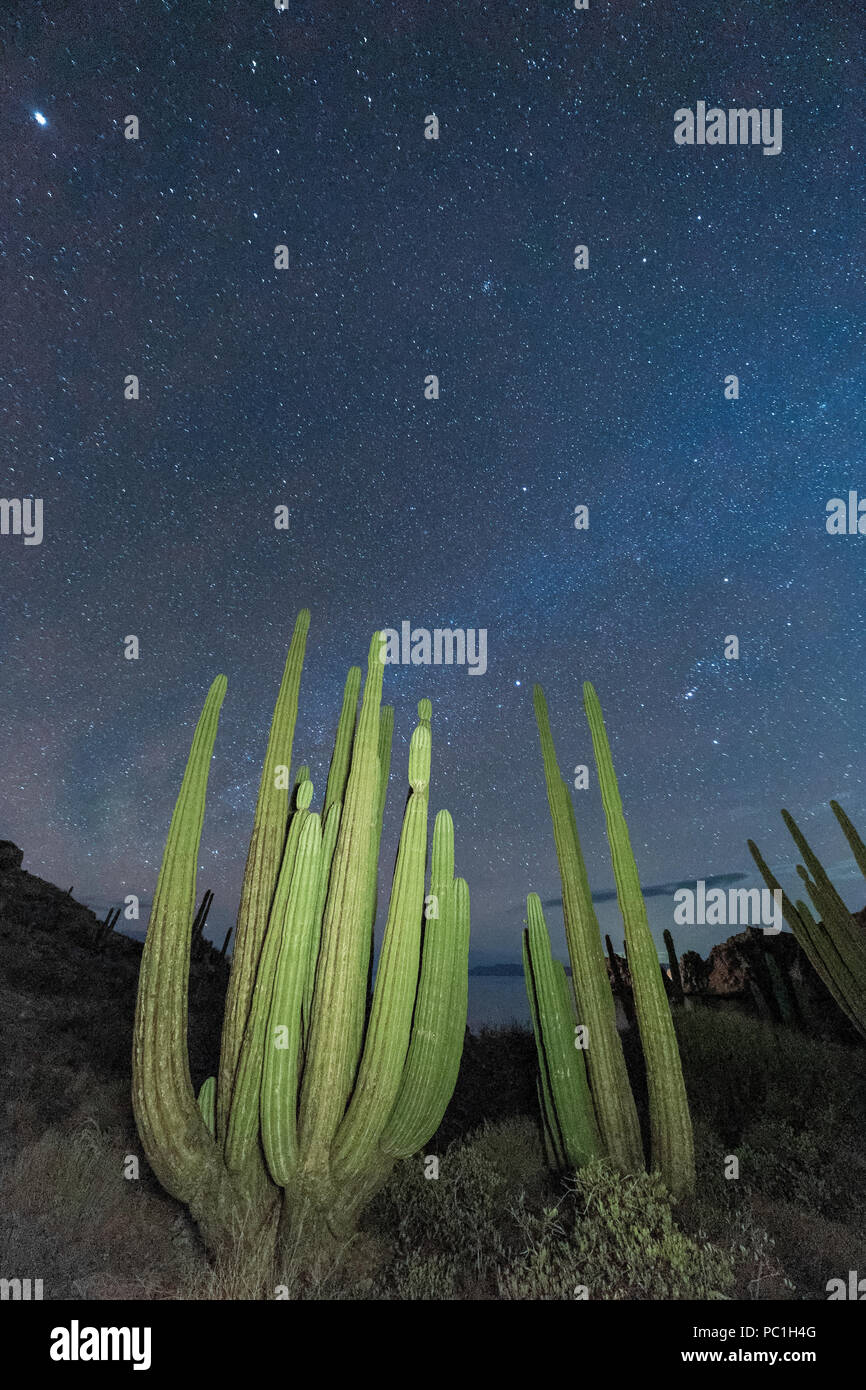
point(11, 857)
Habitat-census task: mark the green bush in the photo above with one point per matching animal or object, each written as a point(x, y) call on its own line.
point(613, 1237)
point(738, 1067)
point(495, 1225)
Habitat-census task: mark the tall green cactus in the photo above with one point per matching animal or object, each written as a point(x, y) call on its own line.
point(614, 1103)
point(563, 1093)
point(314, 1101)
point(835, 944)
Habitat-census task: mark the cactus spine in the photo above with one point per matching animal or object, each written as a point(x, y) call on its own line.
point(313, 1102)
point(836, 943)
point(609, 1089)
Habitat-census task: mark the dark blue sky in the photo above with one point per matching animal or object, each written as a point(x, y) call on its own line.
point(558, 387)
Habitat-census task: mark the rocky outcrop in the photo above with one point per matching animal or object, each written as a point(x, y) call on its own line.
point(11, 857)
point(768, 975)
point(31, 904)
point(34, 904)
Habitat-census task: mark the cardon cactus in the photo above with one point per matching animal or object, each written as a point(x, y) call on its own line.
point(835, 944)
point(317, 1095)
point(578, 1104)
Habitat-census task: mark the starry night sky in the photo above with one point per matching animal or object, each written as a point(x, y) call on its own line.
point(305, 387)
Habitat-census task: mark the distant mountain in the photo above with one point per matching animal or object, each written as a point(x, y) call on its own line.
point(505, 969)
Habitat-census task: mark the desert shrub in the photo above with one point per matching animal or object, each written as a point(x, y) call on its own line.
point(810, 1167)
point(614, 1237)
point(73, 1220)
point(738, 1068)
point(496, 1226)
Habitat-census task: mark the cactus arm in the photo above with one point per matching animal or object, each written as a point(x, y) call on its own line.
point(670, 1122)
point(170, 1124)
point(338, 773)
point(439, 1024)
point(554, 1149)
point(207, 1104)
point(339, 997)
point(822, 892)
point(242, 1131)
point(608, 1078)
point(553, 1152)
point(279, 1086)
point(814, 939)
point(386, 735)
point(330, 831)
point(562, 1066)
point(846, 935)
point(261, 872)
point(390, 1025)
point(386, 732)
point(858, 849)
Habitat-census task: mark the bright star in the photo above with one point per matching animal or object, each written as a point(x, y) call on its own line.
point(38, 116)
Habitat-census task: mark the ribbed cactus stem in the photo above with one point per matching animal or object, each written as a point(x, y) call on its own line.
point(670, 1122)
point(241, 1141)
point(561, 1061)
point(390, 1024)
point(262, 869)
point(608, 1078)
point(439, 1021)
point(341, 979)
point(330, 831)
point(279, 1084)
point(858, 848)
point(338, 773)
point(170, 1124)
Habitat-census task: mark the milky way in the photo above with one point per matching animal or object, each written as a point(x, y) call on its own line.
point(558, 387)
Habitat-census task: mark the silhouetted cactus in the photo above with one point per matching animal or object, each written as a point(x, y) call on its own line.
point(620, 986)
point(673, 962)
point(105, 929)
point(835, 943)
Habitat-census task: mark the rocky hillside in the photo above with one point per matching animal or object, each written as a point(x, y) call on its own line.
point(67, 1002)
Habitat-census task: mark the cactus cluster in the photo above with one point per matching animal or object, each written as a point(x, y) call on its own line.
point(588, 1107)
point(835, 943)
point(320, 1087)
